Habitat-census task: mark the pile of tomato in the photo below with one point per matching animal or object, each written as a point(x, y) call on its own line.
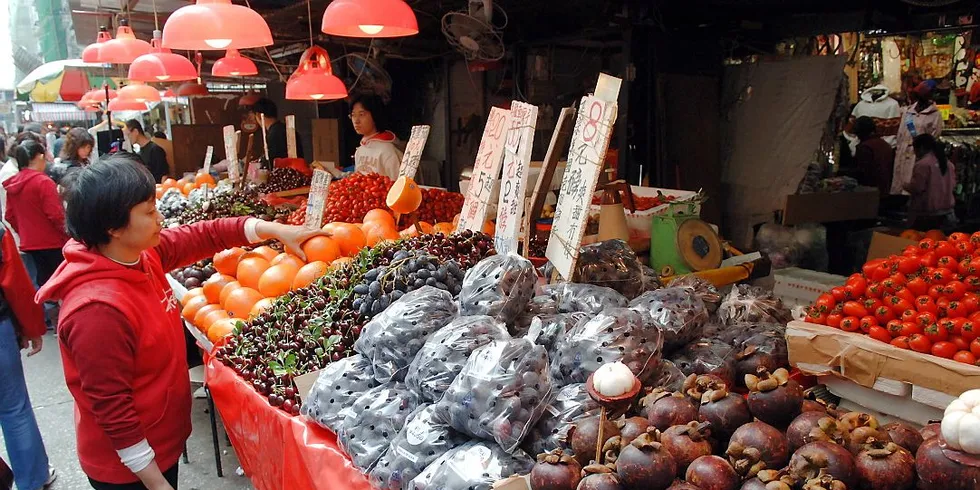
point(925, 300)
point(350, 198)
point(440, 206)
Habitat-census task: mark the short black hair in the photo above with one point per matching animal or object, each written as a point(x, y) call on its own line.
point(134, 124)
point(267, 107)
point(26, 151)
point(864, 127)
point(376, 106)
point(99, 197)
point(160, 134)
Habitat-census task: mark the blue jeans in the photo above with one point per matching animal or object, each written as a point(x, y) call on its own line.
point(28, 459)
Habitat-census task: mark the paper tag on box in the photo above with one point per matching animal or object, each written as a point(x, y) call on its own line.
point(305, 383)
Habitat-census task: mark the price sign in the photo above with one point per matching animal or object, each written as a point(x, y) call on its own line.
point(208, 155)
point(231, 152)
point(291, 136)
point(517, 157)
point(252, 173)
point(486, 171)
point(318, 199)
point(413, 151)
point(590, 140)
point(265, 142)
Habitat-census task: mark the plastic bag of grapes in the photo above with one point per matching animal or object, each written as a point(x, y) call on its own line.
point(373, 420)
point(669, 377)
point(446, 351)
point(547, 330)
point(613, 264)
point(570, 404)
point(423, 440)
point(475, 465)
point(751, 304)
point(336, 388)
point(500, 393)
point(392, 339)
point(539, 305)
point(702, 289)
point(587, 298)
point(707, 356)
point(500, 286)
point(678, 312)
point(617, 334)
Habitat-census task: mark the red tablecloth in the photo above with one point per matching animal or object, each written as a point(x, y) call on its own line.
point(275, 450)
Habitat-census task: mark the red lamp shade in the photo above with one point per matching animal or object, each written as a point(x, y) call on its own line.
point(234, 65)
point(74, 84)
point(160, 65)
point(190, 88)
point(95, 97)
point(124, 48)
point(314, 78)
point(120, 104)
point(138, 92)
point(215, 24)
point(91, 52)
point(369, 18)
point(248, 99)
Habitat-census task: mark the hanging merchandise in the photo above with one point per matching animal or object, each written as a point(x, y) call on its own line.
point(879, 106)
point(118, 104)
point(369, 18)
point(92, 52)
point(124, 48)
point(192, 88)
point(215, 24)
point(95, 97)
point(234, 64)
point(870, 71)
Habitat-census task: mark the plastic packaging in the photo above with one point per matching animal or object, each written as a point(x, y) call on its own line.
point(475, 465)
point(423, 440)
point(393, 338)
point(500, 393)
point(547, 330)
point(678, 312)
point(587, 298)
point(373, 420)
point(707, 356)
point(617, 334)
point(651, 279)
point(670, 377)
point(570, 404)
point(336, 387)
point(499, 286)
point(802, 245)
point(751, 304)
point(446, 352)
point(612, 264)
point(539, 305)
point(702, 289)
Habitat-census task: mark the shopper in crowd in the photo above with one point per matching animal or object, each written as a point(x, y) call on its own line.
point(21, 327)
point(8, 170)
point(34, 209)
point(74, 154)
point(378, 151)
point(120, 330)
point(152, 155)
point(931, 186)
point(920, 117)
point(874, 158)
point(275, 130)
point(60, 142)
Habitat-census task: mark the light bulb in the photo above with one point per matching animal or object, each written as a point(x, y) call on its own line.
point(370, 29)
point(218, 43)
point(163, 77)
point(316, 96)
point(235, 73)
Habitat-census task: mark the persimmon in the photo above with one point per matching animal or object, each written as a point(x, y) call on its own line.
point(214, 285)
point(190, 294)
point(381, 232)
point(160, 191)
point(321, 248)
point(169, 183)
point(222, 328)
point(225, 291)
point(277, 280)
point(378, 215)
point(444, 228)
point(226, 261)
point(192, 306)
point(262, 305)
point(240, 302)
point(349, 238)
point(250, 269)
point(309, 273)
point(426, 228)
point(287, 258)
point(187, 188)
point(202, 311)
point(203, 178)
point(935, 235)
point(181, 182)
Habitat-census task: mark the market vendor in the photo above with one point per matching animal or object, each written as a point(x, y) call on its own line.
point(921, 116)
point(378, 151)
point(275, 130)
point(120, 332)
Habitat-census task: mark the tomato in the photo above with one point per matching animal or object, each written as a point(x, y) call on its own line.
point(899, 305)
point(894, 283)
point(871, 304)
point(966, 268)
point(972, 301)
point(870, 266)
point(965, 357)
point(819, 318)
point(850, 324)
point(875, 290)
point(839, 294)
point(935, 291)
point(894, 328)
point(928, 259)
point(975, 347)
point(948, 324)
point(910, 251)
point(880, 272)
point(900, 342)
point(945, 249)
point(909, 328)
point(927, 244)
point(920, 343)
point(957, 328)
point(949, 263)
point(964, 249)
point(925, 318)
point(935, 333)
point(959, 237)
point(866, 323)
point(918, 286)
point(940, 276)
point(879, 333)
point(972, 283)
point(884, 314)
point(825, 303)
point(833, 320)
point(909, 265)
point(969, 330)
point(857, 285)
point(853, 308)
point(909, 315)
point(905, 294)
point(925, 303)
point(975, 238)
point(942, 304)
point(943, 349)
point(957, 309)
point(959, 342)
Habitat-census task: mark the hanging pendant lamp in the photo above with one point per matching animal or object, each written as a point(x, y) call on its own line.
point(124, 48)
point(369, 18)
point(95, 97)
point(91, 52)
point(215, 24)
point(160, 65)
point(234, 65)
point(192, 88)
point(120, 104)
point(139, 92)
point(314, 78)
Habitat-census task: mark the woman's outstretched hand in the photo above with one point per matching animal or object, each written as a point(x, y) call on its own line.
point(292, 237)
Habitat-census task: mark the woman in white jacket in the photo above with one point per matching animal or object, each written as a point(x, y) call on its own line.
point(378, 151)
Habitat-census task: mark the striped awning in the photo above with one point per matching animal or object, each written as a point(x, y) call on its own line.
point(55, 112)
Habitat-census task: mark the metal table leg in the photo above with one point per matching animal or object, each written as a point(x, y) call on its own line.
point(214, 432)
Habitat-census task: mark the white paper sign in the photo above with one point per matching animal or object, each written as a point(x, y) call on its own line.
point(291, 136)
point(265, 142)
point(208, 155)
point(486, 171)
point(513, 184)
point(231, 153)
point(318, 199)
point(590, 140)
point(413, 151)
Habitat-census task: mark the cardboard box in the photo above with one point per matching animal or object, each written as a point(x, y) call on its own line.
point(885, 242)
point(326, 141)
point(827, 207)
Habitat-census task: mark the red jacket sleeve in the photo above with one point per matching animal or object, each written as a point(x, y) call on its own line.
point(104, 353)
point(14, 281)
point(187, 244)
point(51, 204)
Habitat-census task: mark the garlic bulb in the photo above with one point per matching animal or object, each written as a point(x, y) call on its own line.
point(613, 379)
point(961, 423)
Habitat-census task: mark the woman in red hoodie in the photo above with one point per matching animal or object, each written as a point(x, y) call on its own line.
point(35, 211)
point(120, 330)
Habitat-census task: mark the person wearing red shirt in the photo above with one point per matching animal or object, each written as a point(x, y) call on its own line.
point(120, 330)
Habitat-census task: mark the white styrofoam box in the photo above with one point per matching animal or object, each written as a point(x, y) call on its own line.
point(883, 418)
point(932, 398)
point(803, 286)
point(902, 407)
point(642, 221)
point(179, 289)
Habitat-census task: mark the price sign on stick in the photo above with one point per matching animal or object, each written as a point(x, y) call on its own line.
point(318, 199)
point(291, 136)
point(590, 140)
point(486, 171)
point(208, 155)
point(517, 156)
point(413, 151)
point(231, 152)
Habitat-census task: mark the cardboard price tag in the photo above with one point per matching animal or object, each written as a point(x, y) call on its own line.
point(231, 152)
point(517, 157)
point(318, 199)
point(208, 155)
point(590, 140)
point(413, 151)
point(265, 141)
point(291, 136)
point(486, 171)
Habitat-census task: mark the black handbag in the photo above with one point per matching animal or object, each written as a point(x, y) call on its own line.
point(6, 476)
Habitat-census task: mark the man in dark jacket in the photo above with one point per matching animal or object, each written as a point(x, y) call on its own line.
point(874, 158)
point(154, 157)
point(275, 129)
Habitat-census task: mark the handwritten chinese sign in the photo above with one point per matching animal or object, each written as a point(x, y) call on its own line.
point(413, 151)
point(317, 200)
point(590, 140)
point(291, 136)
point(231, 152)
point(513, 184)
point(486, 171)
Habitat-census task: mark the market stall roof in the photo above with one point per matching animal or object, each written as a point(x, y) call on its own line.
point(54, 112)
point(48, 71)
